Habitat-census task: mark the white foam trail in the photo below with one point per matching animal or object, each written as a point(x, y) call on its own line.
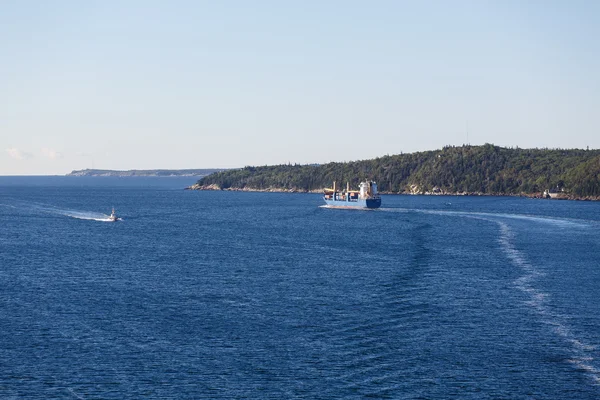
point(538, 300)
point(91, 216)
point(564, 222)
point(85, 215)
point(97, 219)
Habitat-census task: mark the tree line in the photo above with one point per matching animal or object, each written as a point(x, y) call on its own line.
point(485, 169)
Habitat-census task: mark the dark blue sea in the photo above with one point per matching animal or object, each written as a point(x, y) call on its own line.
point(232, 295)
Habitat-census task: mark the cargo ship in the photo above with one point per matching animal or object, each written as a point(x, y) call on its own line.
point(366, 197)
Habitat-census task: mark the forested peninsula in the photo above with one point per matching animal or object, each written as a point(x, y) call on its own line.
point(468, 170)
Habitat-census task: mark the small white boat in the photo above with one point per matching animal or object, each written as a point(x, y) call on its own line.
point(113, 217)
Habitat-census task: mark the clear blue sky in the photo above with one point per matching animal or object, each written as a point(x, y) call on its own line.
point(198, 84)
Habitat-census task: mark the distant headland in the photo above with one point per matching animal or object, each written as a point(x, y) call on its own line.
point(486, 170)
point(145, 172)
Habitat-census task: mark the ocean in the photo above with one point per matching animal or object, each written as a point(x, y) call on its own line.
point(237, 295)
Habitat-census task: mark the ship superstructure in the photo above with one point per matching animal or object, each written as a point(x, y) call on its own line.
point(365, 197)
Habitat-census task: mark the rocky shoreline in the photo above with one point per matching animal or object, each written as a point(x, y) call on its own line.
point(539, 195)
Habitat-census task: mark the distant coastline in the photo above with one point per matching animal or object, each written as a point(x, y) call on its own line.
point(145, 172)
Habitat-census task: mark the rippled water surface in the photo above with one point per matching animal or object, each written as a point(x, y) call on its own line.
point(267, 295)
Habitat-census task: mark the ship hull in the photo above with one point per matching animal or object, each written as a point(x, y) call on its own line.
point(361, 203)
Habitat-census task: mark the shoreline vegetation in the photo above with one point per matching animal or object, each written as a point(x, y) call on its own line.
point(487, 170)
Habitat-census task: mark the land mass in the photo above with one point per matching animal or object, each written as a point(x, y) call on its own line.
point(467, 170)
point(145, 172)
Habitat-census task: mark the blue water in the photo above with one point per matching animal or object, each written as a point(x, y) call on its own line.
point(265, 295)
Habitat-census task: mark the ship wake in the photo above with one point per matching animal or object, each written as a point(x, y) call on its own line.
point(582, 353)
point(90, 216)
point(84, 215)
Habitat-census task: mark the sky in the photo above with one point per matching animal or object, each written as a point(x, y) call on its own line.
point(224, 84)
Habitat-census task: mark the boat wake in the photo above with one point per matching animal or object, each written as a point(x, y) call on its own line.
point(90, 216)
point(582, 354)
point(538, 300)
point(565, 222)
point(84, 215)
point(27, 207)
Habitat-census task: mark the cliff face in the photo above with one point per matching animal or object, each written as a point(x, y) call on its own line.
point(148, 172)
